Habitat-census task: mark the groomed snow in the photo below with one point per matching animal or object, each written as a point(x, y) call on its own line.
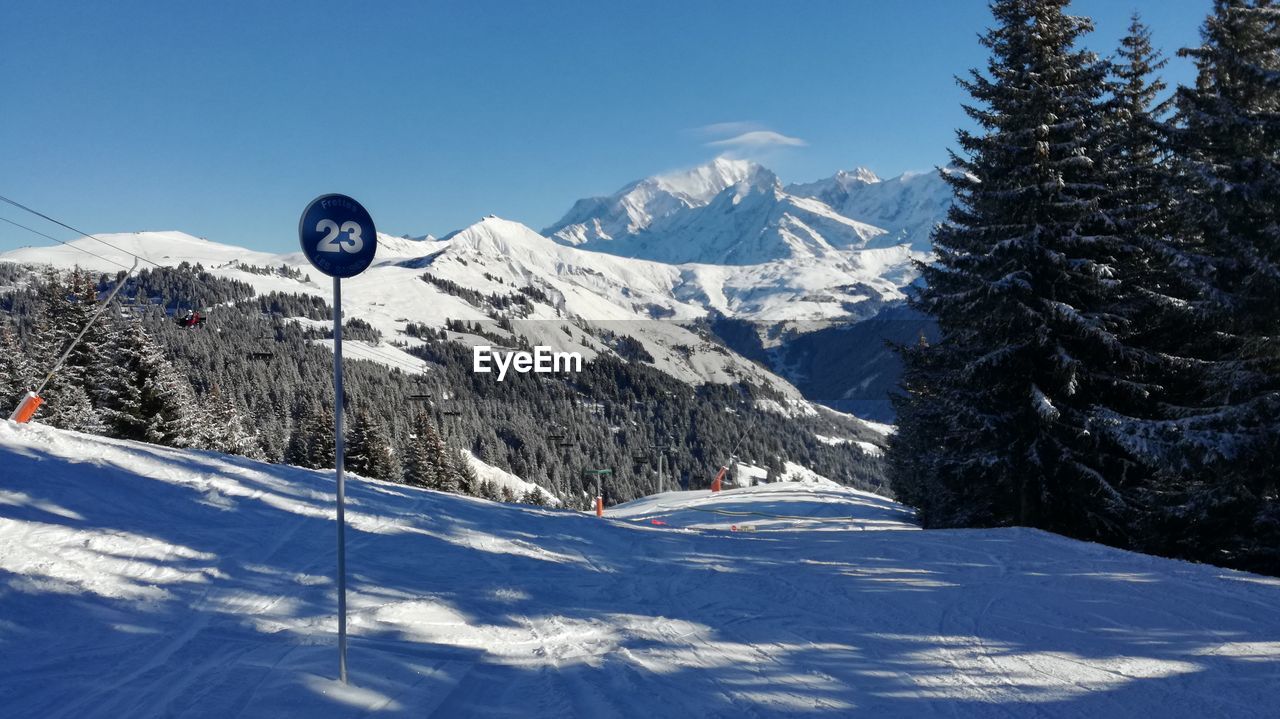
point(139, 581)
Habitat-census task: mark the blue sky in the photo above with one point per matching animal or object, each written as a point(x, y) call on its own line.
point(223, 119)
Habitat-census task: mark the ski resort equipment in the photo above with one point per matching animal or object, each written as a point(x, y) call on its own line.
point(190, 320)
point(599, 491)
point(32, 400)
point(26, 408)
point(339, 239)
point(733, 462)
point(715, 483)
point(662, 449)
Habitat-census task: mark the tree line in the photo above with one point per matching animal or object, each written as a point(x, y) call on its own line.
point(1107, 293)
point(269, 380)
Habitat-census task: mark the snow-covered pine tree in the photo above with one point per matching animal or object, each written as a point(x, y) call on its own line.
point(426, 460)
point(321, 444)
point(17, 376)
point(918, 445)
point(225, 429)
point(488, 490)
point(152, 402)
point(1022, 292)
point(298, 449)
point(368, 451)
point(534, 496)
point(1226, 137)
point(65, 308)
point(464, 473)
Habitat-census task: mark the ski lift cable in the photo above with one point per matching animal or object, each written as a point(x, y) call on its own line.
point(101, 308)
point(21, 206)
point(68, 244)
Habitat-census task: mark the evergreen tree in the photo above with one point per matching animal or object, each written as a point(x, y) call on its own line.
point(17, 376)
point(152, 402)
point(1030, 344)
point(464, 473)
point(426, 462)
point(322, 444)
point(70, 396)
point(368, 451)
point(917, 447)
point(1227, 140)
point(226, 430)
point(534, 496)
point(298, 450)
point(311, 443)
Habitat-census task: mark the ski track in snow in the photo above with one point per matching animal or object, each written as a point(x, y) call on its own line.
point(143, 581)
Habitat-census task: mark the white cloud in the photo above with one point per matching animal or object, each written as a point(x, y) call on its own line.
point(757, 140)
point(722, 129)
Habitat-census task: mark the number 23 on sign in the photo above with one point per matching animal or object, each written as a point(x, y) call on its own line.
point(331, 242)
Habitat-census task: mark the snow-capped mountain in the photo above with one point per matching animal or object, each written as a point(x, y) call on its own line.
point(906, 207)
point(724, 240)
point(735, 212)
point(838, 250)
point(639, 204)
point(751, 220)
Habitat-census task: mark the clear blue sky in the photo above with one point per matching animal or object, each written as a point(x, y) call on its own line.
point(223, 119)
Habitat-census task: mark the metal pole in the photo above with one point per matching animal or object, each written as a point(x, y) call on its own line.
point(338, 461)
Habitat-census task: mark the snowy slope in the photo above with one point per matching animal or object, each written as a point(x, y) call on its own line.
point(168, 248)
point(140, 581)
point(794, 505)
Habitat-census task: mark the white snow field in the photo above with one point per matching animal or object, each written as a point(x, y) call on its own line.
point(140, 581)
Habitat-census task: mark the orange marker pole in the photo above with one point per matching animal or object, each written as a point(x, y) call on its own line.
point(715, 483)
point(27, 408)
point(599, 506)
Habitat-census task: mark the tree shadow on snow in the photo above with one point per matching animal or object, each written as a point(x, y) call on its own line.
point(212, 594)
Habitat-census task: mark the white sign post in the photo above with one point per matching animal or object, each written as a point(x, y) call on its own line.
point(338, 237)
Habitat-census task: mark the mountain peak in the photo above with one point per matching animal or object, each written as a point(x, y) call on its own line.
point(638, 205)
point(858, 174)
point(700, 184)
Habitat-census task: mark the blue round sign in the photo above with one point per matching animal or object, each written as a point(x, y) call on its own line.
point(337, 235)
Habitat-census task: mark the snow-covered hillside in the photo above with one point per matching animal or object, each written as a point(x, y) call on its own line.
point(906, 207)
point(142, 581)
point(493, 256)
point(596, 291)
point(721, 240)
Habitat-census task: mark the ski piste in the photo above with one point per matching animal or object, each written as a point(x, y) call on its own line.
point(148, 581)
